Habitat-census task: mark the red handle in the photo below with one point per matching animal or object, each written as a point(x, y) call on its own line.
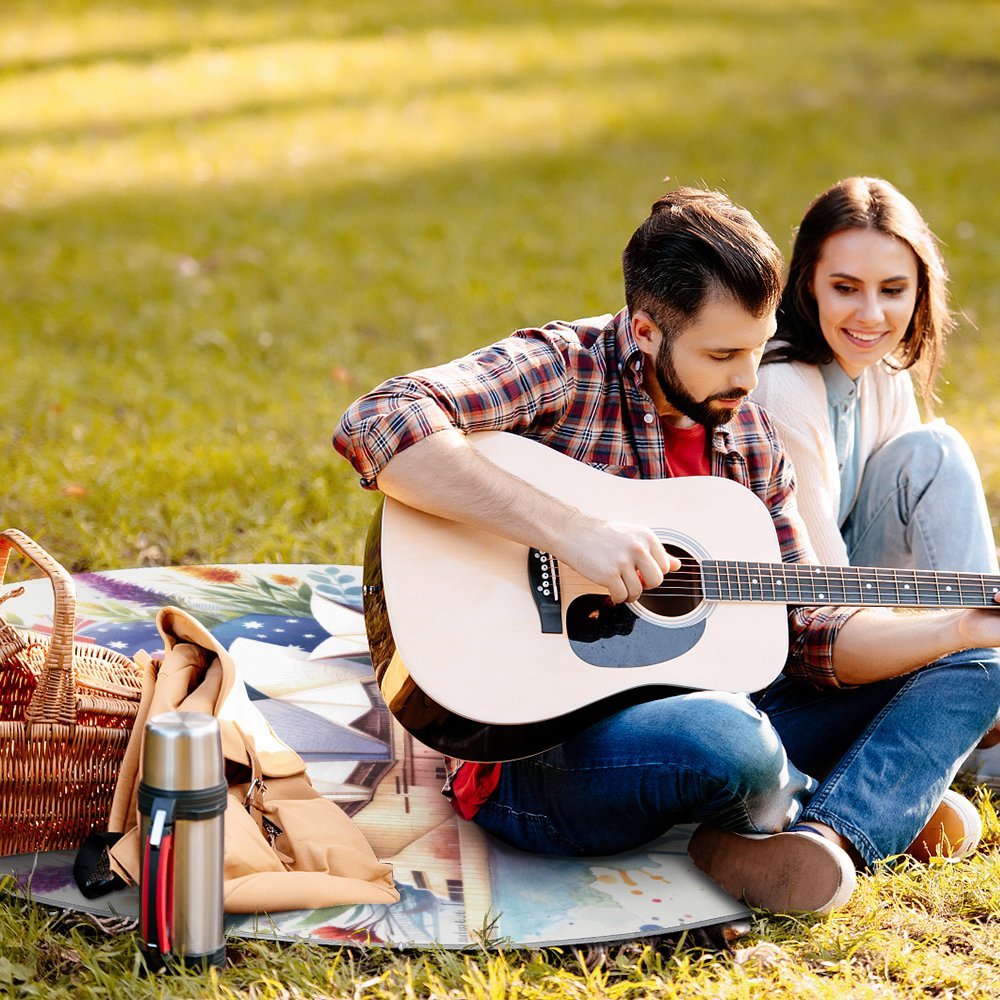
point(165, 893)
point(156, 908)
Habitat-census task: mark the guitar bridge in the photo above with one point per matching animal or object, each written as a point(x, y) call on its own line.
point(543, 578)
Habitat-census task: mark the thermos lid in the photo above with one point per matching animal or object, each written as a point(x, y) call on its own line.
point(182, 752)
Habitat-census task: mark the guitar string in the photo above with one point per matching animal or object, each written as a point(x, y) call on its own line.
point(688, 581)
point(849, 600)
point(806, 573)
point(810, 571)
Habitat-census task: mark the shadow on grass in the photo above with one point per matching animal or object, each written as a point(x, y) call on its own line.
point(228, 25)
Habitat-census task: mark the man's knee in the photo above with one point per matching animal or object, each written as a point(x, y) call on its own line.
point(736, 740)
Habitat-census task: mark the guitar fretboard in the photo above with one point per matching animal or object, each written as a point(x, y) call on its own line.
point(800, 583)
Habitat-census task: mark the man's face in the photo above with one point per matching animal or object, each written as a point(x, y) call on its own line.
point(703, 374)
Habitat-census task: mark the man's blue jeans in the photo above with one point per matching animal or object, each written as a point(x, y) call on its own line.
point(920, 505)
point(696, 756)
point(886, 752)
point(883, 755)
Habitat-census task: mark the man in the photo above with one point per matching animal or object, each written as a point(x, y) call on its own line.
point(861, 737)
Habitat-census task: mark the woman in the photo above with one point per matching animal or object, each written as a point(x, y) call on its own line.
point(865, 304)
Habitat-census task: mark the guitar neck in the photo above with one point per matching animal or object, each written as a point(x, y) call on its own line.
point(801, 583)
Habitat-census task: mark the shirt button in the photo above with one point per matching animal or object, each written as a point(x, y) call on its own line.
point(648, 418)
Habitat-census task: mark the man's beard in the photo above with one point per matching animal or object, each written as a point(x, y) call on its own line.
point(680, 399)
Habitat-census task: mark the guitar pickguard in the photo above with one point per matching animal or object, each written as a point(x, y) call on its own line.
point(612, 635)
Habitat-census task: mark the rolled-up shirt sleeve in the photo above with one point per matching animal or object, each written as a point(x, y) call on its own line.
point(515, 384)
point(812, 632)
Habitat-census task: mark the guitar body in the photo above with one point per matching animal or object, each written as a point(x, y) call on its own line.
point(458, 634)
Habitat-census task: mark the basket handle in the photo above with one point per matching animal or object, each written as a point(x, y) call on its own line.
point(54, 700)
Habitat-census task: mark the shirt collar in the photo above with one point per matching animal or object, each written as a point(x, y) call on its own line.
point(722, 440)
point(840, 387)
point(630, 357)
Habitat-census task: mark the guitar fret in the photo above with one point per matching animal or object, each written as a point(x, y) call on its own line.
point(767, 583)
point(716, 582)
point(773, 595)
point(949, 589)
point(851, 584)
point(909, 592)
point(778, 587)
point(786, 590)
point(968, 588)
point(991, 587)
point(707, 568)
point(923, 593)
point(799, 597)
point(829, 594)
point(867, 586)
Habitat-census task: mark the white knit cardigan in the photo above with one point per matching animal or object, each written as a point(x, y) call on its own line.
point(794, 395)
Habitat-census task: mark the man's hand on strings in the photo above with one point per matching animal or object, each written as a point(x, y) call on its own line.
point(624, 558)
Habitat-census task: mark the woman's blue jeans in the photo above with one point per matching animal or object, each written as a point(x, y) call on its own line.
point(886, 752)
point(921, 506)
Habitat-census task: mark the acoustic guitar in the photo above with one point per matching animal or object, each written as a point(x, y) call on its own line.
point(488, 650)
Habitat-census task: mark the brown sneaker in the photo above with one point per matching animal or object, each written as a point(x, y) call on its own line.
point(953, 832)
point(782, 872)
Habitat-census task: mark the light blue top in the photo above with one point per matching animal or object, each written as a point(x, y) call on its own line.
point(842, 402)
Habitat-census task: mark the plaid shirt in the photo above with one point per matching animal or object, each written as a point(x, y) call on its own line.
point(577, 387)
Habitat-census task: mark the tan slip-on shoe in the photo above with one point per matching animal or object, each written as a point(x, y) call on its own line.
point(953, 832)
point(788, 872)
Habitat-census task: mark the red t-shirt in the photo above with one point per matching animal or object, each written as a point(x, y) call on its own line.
point(686, 450)
point(686, 455)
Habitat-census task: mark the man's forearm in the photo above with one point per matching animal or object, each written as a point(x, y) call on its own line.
point(444, 475)
point(878, 643)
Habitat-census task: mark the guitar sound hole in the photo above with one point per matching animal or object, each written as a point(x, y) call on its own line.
point(680, 593)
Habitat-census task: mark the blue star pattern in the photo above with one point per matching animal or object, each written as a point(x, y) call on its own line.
point(298, 633)
point(127, 637)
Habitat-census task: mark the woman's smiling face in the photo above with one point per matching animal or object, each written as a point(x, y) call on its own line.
point(865, 285)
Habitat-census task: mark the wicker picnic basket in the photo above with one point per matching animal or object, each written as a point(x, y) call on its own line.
point(66, 710)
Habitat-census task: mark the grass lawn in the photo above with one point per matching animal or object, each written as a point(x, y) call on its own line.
point(222, 221)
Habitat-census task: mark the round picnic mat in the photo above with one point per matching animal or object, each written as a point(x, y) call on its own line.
point(297, 636)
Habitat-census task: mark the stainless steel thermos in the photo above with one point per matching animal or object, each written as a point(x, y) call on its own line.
point(182, 801)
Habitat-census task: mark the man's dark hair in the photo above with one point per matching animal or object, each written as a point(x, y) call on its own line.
point(694, 244)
